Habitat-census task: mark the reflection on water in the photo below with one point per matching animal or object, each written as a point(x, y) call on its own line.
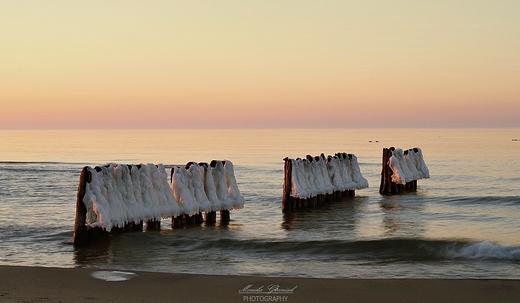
point(337, 216)
point(141, 249)
point(402, 216)
point(95, 253)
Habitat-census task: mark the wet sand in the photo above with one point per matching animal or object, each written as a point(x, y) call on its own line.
point(36, 284)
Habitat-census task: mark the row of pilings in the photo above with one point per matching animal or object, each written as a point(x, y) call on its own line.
point(290, 202)
point(83, 233)
point(391, 182)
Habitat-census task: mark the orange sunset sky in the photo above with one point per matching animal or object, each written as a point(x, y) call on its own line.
point(250, 64)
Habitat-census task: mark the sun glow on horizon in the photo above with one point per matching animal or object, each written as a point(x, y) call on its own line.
point(259, 64)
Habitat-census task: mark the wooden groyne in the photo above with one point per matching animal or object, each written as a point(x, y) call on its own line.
point(401, 170)
point(312, 181)
point(120, 197)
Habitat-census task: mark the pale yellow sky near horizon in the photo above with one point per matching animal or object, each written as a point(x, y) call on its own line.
point(164, 64)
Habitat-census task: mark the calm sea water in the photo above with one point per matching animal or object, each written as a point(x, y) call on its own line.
point(463, 222)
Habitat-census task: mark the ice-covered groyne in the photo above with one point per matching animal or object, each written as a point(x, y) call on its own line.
point(120, 196)
point(313, 180)
point(203, 187)
point(401, 170)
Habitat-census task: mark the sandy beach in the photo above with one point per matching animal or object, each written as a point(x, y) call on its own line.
point(35, 284)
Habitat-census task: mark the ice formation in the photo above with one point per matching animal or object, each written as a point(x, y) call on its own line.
point(233, 191)
point(203, 188)
point(320, 175)
point(120, 194)
point(408, 166)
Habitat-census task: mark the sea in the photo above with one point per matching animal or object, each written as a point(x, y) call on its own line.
point(461, 223)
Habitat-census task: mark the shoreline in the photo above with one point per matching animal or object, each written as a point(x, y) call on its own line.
point(46, 284)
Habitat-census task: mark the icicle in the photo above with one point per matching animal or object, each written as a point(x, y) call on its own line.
point(210, 189)
point(233, 191)
point(181, 192)
point(197, 187)
point(357, 178)
point(421, 166)
point(220, 183)
point(398, 175)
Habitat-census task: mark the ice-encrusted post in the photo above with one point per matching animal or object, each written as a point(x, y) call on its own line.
point(348, 192)
point(387, 187)
point(411, 185)
point(179, 220)
point(225, 216)
point(81, 233)
point(401, 170)
point(313, 181)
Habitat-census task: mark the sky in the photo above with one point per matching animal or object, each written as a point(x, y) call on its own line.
point(259, 64)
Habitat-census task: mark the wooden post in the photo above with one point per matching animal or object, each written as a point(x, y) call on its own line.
point(387, 187)
point(173, 221)
point(132, 226)
point(382, 185)
point(80, 235)
point(290, 203)
point(190, 219)
point(210, 217)
point(224, 216)
point(199, 219)
point(286, 197)
point(138, 226)
point(177, 221)
point(153, 224)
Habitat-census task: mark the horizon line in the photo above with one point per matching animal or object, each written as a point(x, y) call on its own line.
point(253, 128)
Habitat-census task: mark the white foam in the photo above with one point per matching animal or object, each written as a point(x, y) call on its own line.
point(484, 250)
point(113, 276)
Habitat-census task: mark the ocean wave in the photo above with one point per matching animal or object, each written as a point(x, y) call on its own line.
point(481, 200)
point(384, 250)
point(483, 251)
point(19, 169)
point(37, 163)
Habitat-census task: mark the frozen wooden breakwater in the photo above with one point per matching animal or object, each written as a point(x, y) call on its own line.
point(122, 197)
point(401, 170)
point(206, 188)
point(311, 181)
